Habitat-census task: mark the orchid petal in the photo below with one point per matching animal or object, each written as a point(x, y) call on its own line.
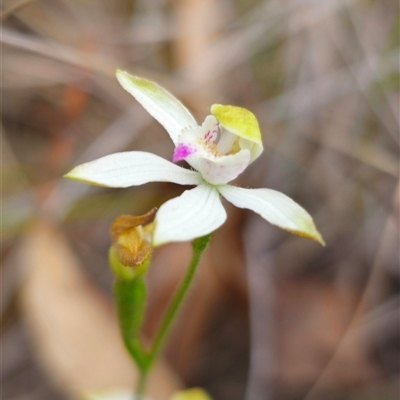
point(196, 140)
point(195, 213)
point(200, 148)
point(159, 103)
point(132, 168)
point(226, 142)
point(242, 123)
point(275, 207)
point(220, 170)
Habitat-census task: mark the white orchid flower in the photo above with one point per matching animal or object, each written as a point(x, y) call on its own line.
point(218, 151)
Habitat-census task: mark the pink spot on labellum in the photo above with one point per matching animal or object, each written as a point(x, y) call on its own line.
point(182, 151)
point(211, 135)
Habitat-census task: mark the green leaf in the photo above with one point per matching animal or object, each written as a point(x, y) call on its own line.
point(130, 297)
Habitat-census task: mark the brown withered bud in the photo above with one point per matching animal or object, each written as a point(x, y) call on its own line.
point(131, 237)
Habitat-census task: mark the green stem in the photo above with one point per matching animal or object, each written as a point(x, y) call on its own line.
point(141, 384)
point(130, 295)
point(199, 245)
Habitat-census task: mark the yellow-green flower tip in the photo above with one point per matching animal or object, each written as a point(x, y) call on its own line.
point(159, 103)
point(311, 233)
point(191, 394)
point(242, 123)
point(239, 121)
point(129, 81)
point(75, 175)
point(71, 174)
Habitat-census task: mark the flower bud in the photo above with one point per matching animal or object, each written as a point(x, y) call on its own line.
point(131, 244)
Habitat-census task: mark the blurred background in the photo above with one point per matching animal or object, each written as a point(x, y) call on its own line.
point(272, 316)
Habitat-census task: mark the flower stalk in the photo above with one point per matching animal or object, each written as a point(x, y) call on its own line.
point(198, 247)
point(130, 294)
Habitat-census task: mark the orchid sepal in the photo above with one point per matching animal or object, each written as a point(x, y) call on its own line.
point(276, 208)
point(159, 103)
point(132, 168)
point(195, 213)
